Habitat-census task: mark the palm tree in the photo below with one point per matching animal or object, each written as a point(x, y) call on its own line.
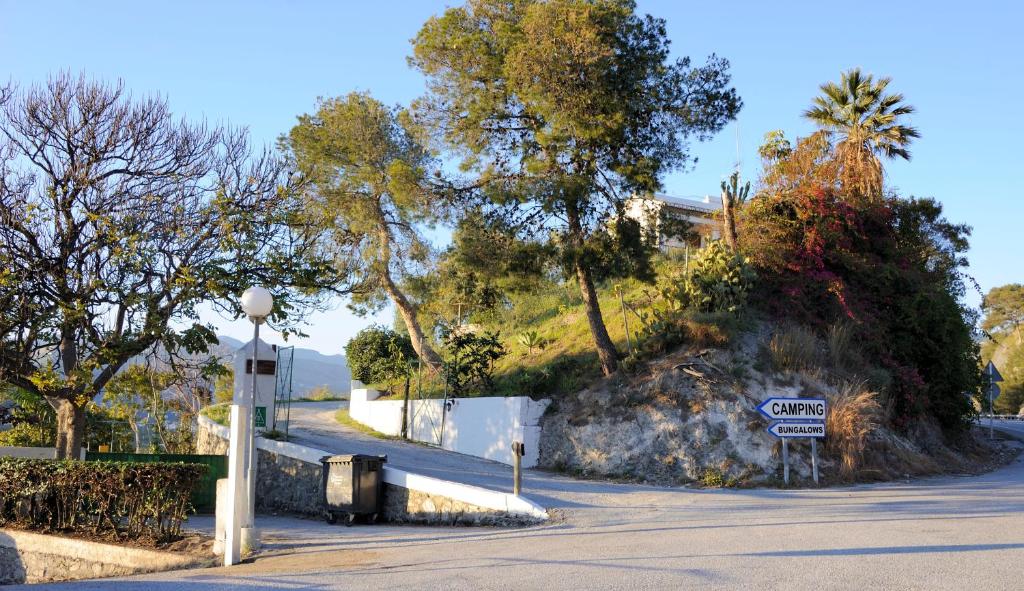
point(868, 124)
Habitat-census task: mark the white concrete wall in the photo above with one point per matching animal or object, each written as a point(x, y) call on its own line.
point(481, 427)
point(33, 453)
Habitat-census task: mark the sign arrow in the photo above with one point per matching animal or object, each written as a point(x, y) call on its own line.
point(789, 409)
point(798, 429)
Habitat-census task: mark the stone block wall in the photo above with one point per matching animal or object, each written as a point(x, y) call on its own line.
point(27, 557)
point(403, 505)
point(287, 485)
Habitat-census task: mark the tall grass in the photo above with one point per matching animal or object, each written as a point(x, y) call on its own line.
point(853, 414)
point(794, 348)
point(841, 347)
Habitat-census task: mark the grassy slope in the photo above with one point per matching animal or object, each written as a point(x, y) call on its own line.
point(567, 362)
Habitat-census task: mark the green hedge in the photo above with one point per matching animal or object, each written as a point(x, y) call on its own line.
point(137, 501)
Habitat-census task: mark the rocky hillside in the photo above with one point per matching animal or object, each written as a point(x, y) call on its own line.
point(691, 417)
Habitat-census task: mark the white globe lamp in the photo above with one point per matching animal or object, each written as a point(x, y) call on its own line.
point(257, 302)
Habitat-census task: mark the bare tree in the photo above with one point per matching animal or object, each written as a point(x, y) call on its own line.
point(117, 222)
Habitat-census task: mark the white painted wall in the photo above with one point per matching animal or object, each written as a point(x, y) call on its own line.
point(31, 453)
point(481, 427)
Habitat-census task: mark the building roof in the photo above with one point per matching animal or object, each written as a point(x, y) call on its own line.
point(707, 203)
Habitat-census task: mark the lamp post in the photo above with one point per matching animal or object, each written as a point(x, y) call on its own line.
point(257, 304)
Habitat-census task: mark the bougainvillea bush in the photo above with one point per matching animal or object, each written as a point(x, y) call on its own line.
point(894, 269)
point(141, 502)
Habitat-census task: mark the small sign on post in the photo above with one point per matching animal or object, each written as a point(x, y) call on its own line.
point(518, 451)
point(260, 417)
point(993, 376)
point(796, 417)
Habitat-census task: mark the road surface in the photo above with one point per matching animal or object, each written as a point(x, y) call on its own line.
point(941, 533)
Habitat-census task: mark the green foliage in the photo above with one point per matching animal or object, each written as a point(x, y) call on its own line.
point(137, 501)
point(140, 217)
point(224, 386)
point(219, 413)
point(561, 108)
point(379, 355)
point(373, 191)
point(718, 280)
point(1004, 313)
point(892, 267)
point(868, 123)
point(32, 420)
point(531, 339)
point(469, 368)
point(712, 478)
point(1004, 310)
point(137, 397)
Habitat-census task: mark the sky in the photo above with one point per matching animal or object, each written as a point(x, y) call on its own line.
point(259, 64)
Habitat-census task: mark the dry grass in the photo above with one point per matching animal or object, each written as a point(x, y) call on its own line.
point(853, 415)
point(794, 348)
point(841, 349)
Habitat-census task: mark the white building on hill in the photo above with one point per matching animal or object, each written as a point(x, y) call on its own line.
point(701, 212)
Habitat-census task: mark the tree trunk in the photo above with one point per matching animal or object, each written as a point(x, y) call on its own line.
point(408, 312)
point(606, 350)
point(729, 219)
point(70, 428)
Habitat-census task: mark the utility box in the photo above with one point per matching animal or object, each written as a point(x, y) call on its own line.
point(353, 486)
point(266, 382)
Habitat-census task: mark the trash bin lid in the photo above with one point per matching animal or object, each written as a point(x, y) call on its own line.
point(349, 458)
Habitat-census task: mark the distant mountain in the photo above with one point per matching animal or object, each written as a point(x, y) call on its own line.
point(311, 369)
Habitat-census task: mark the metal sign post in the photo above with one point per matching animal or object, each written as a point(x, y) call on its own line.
point(785, 461)
point(993, 376)
point(518, 451)
point(796, 417)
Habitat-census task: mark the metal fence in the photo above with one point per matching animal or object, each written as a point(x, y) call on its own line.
point(204, 496)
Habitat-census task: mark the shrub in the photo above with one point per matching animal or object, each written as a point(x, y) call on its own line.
point(136, 501)
point(853, 414)
point(470, 367)
point(794, 348)
point(718, 280)
point(218, 413)
point(379, 355)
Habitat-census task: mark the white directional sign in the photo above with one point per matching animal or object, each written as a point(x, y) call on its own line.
point(798, 429)
point(793, 409)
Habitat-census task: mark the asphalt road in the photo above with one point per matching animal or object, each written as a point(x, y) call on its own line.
point(941, 533)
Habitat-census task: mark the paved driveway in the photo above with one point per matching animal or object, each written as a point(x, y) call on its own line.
point(313, 425)
point(942, 533)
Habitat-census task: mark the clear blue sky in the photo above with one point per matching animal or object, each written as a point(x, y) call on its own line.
point(259, 64)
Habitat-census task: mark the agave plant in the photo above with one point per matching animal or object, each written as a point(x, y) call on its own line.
point(531, 340)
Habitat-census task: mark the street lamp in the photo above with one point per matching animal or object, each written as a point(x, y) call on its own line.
point(257, 303)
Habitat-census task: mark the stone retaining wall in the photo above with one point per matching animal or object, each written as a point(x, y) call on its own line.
point(27, 557)
point(403, 505)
